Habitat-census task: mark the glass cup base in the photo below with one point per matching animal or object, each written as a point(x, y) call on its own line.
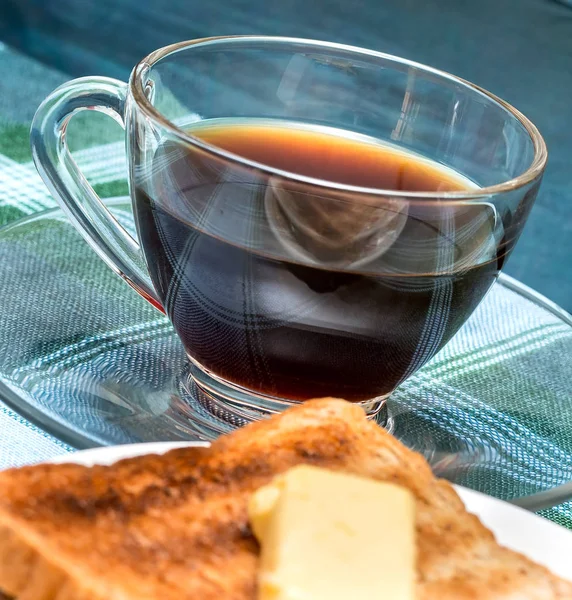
point(216, 406)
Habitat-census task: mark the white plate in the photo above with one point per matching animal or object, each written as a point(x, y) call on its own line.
point(539, 539)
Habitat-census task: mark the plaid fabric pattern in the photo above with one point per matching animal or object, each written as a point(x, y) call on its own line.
point(494, 405)
point(22, 191)
point(25, 83)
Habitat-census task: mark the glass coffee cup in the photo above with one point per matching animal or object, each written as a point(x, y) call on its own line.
point(315, 219)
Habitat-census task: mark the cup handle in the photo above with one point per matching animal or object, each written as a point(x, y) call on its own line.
point(60, 173)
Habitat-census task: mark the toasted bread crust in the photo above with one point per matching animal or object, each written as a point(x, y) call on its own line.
point(176, 527)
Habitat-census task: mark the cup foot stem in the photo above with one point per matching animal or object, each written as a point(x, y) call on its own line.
point(214, 407)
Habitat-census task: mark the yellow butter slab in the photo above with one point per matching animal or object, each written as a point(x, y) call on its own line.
point(326, 535)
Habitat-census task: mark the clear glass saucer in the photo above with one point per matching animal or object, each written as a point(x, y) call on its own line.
point(86, 359)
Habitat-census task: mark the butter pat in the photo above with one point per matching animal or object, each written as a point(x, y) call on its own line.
point(328, 536)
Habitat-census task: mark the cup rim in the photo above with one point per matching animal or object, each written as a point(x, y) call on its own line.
point(534, 170)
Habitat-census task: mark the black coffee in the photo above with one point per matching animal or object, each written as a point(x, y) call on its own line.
point(300, 291)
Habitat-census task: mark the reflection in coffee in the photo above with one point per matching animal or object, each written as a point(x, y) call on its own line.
point(296, 289)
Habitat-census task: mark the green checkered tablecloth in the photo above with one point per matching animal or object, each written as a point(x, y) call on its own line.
point(502, 383)
point(95, 139)
point(99, 150)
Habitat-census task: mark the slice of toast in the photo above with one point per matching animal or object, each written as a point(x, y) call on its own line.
point(175, 527)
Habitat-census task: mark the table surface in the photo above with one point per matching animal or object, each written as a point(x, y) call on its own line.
point(24, 84)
